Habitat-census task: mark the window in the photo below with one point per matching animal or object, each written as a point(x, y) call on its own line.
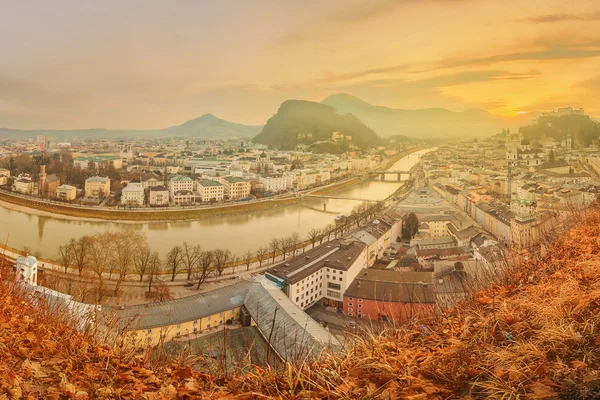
point(178, 333)
point(360, 306)
point(195, 330)
point(360, 300)
point(340, 278)
point(334, 286)
point(297, 299)
point(196, 322)
point(350, 298)
point(331, 293)
point(327, 276)
point(149, 331)
point(349, 304)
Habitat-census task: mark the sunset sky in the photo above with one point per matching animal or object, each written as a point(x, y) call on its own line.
point(152, 64)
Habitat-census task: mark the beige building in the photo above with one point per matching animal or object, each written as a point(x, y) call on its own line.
point(133, 194)
point(23, 184)
point(210, 191)
point(236, 188)
point(66, 192)
point(159, 196)
point(97, 186)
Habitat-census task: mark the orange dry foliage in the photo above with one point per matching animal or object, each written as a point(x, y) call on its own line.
point(536, 336)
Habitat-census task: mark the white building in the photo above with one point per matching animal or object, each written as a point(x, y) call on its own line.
point(181, 190)
point(323, 273)
point(133, 194)
point(159, 196)
point(23, 184)
point(210, 191)
point(276, 184)
point(97, 186)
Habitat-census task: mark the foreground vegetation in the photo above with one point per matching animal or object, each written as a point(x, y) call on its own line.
point(535, 335)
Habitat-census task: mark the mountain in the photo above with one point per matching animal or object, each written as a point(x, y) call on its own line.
point(425, 123)
point(206, 125)
point(583, 129)
point(210, 126)
point(299, 121)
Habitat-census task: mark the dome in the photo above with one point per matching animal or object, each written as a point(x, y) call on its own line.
point(263, 155)
point(525, 142)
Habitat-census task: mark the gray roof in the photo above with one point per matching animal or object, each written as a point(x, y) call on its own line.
point(184, 309)
point(29, 261)
point(292, 333)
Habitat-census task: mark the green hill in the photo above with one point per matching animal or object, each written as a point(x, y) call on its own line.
point(583, 129)
point(307, 122)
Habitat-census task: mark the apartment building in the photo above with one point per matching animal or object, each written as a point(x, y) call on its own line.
point(322, 273)
point(158, 196)
point(133, 194)
point(210, 191)
point(66, 192)
point(235, 188)
point(97, 186)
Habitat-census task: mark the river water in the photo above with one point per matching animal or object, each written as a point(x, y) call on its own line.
point(239, 233)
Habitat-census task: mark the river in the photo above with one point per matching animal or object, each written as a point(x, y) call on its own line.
point(43, 235)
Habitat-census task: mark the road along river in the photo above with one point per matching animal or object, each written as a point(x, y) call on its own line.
point(238, 233)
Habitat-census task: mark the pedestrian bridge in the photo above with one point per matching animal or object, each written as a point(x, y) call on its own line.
point(318, 196)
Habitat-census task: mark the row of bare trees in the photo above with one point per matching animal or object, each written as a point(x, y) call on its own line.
point(114, 255)
point(117, 254)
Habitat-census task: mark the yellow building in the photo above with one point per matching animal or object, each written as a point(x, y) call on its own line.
point(153, 324)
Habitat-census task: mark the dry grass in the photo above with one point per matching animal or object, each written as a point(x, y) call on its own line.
point(536, 336)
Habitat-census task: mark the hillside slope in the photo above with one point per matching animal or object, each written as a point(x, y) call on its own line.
point(424, 123)
point(535, 336)
point(299, 121)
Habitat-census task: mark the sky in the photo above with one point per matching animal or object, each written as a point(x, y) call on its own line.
point(143, 64)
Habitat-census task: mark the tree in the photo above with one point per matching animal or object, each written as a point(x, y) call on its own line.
point(248, 260)
point(221, 258)
point(294, 241)
point(80, 249)
point(274, 248)
point(205, 261)
point(127, 244)
point(284, 245)
point(66, 256)
point(141, 262)
point(191, 254)
point(261, 254)
point(410, 226)
point(313, 236)
point(551, 156)
point(174, 260)
point(153, 269)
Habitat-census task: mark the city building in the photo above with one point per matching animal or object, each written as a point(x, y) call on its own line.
point(151, 180)
point(66, 193)
point(210, 191)
point(181, 190)
point(133, 194)
point(390, 295)
point(322, 273)
point(236, 188)
point(276, 183)
point(97, 187)
point(158, 196)
point(147, 325)
point(47, 184)
point(23, 184)
point(96, 161)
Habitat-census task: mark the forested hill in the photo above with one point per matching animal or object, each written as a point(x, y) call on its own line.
point(583, 129)
point(307, 122)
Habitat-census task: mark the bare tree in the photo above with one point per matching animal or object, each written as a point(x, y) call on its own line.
point(222, 258)
point(313, 236)
point(174, 260)
point(274, 248)
point(81, 248)
point(191, 254)
point(205, 261)
point(153, 269)
point(126, 245)
point(234, 263)
point(261, 254)
point(66, 256)
point(248, 260)
point(284, 245)
point(294, 241)
point(100, 256)
point(141, 262)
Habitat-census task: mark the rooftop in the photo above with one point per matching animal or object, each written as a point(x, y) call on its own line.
point(338, 255)
point(393, 286)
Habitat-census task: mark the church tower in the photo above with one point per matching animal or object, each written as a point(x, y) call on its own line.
point(27, 269)
point(42, 184)
point(569, 141)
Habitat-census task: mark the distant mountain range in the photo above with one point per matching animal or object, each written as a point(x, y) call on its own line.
point(307, 122)
point(207, 126)
point(425, 123)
